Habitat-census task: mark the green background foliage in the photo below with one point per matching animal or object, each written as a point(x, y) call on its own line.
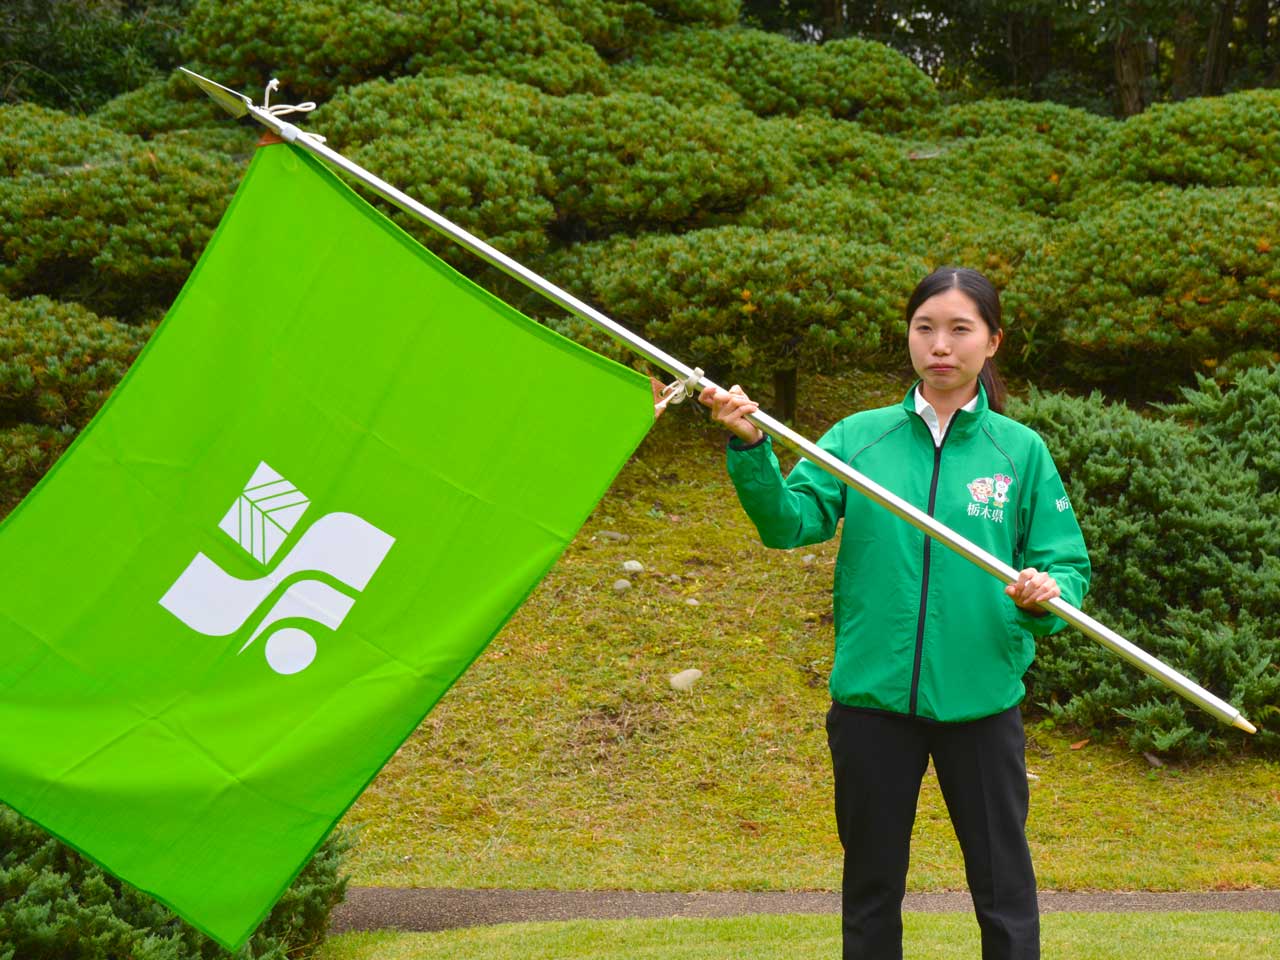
point(57, 905)
point(757, 204)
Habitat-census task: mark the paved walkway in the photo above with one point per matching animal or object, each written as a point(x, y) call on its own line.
point(385, 908)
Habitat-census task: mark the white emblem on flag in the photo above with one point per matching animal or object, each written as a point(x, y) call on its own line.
point(345, 547)
point(265, 513)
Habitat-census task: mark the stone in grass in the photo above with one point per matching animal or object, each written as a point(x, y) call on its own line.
point(621, 586)
point(808, 558)
point(613, 536)
point(633, 566)
point(685, 679)
point(692, 602)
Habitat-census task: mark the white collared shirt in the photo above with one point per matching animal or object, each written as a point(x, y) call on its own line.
point(930, 415)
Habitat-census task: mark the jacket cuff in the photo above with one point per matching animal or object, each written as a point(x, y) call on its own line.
point(739, 445)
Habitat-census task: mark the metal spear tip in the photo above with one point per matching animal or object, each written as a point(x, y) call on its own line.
point(1244, 725)
point(236, 104)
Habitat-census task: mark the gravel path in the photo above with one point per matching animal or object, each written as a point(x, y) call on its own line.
point(384, 908)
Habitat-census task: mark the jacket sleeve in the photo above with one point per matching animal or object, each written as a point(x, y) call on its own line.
point(1050, 539)
point(802, 508)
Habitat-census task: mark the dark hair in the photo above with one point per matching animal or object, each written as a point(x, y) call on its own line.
point(986, 298)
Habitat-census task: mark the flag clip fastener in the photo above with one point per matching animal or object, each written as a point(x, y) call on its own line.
point(679, 390)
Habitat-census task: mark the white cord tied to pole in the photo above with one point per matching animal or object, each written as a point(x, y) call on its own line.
point(679, 390)
point(284, 109)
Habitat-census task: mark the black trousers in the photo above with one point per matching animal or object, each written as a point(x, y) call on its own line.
point(879, 761)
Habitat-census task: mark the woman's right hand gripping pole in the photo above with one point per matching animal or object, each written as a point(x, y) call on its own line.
point(730, 408)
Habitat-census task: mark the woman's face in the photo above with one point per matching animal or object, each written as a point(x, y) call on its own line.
point(949, 342)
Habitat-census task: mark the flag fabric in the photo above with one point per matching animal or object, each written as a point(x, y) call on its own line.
point(332, 475)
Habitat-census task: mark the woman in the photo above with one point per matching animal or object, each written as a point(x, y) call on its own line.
point(930, 650)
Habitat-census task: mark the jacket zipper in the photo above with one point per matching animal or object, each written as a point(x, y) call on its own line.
point(924, 579)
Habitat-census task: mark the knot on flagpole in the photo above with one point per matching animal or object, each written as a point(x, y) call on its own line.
point(284, 109)
point(679, 390)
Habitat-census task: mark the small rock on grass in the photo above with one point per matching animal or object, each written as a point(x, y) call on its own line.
point(613, 536)
point(621, 586)
point(692, 602)
point(633, 566)
point(685, 679)
point(808, 558)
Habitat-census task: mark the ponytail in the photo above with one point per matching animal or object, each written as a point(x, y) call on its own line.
point(994, 385)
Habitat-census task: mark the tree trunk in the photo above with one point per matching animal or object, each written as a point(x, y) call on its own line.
point(1217, 50)
point(784, 395)
point(1183, 82)
point(833, 23)
point(1256, 23)
point(1131, 70)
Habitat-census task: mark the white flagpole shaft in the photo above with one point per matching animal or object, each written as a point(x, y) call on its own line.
point(240, 105)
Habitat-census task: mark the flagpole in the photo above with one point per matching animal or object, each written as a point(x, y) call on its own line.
point(239, 105)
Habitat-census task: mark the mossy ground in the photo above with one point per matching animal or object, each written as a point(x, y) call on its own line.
point(564, 758)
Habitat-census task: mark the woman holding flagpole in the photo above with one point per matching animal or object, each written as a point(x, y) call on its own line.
point(930, 651)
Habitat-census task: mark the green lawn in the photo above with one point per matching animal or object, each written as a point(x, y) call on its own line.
point(1166, 936)
point(564, 759)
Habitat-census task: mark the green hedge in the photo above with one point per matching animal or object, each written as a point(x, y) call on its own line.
point(615, 168)
point(38, 140)
point(1063, 128)
point(677, 86)
point(848, 79)
point(1231, 141)
point(58, 361)
point(27, 451)
point(57, 905)
point(1179, 516)
point(169, 103)
point(935, 225)
point(1153, 289)
point(316, 48)
point(409, 106)
point(110, 221)
point(491, 187)
point(746, 303)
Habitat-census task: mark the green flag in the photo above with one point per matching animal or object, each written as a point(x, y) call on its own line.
point(333, 474)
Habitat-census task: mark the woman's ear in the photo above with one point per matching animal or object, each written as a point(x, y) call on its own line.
point(994, 343)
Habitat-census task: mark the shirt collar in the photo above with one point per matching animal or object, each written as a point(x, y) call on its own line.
point(930, 416)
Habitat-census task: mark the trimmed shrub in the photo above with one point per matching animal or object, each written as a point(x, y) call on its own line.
point(938, 226)
point(678, 87)
point(319, 47)
point(169, 103)
point(38, 140)
point(1010, 172)
point(626, 162)
point(1231, 141)
point(117, 232)
point(57, 905)
point(822, 151)
point(1185, 549)
point(848, 79)
point(719, 13)
point(611, 26)
point(58, 361)
point(491, 187)
point(27, 451)
point(1153, 289)
point(745, 302)
point(408, 106)
point(1063, 128)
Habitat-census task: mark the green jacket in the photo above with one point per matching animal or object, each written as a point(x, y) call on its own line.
point(919, 629)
